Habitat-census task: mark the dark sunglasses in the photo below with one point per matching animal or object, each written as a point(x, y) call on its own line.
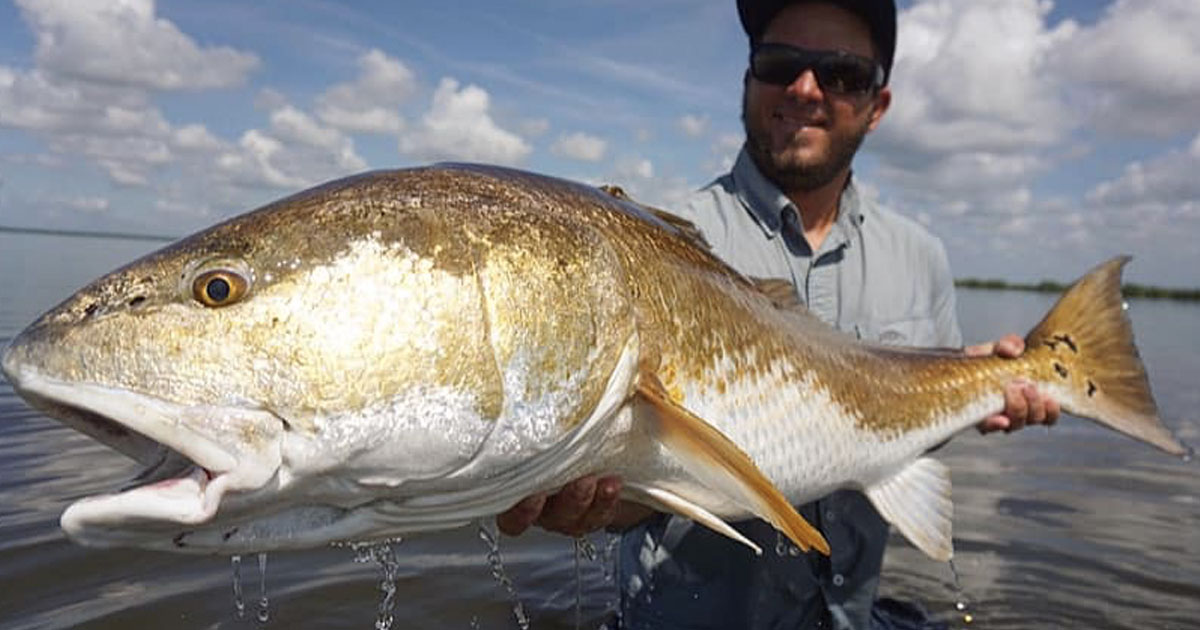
point(836, 71)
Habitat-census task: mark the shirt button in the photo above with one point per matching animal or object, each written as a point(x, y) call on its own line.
point(838, 580)
point(830, 516)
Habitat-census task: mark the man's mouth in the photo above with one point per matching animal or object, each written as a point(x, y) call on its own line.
point(800, 121)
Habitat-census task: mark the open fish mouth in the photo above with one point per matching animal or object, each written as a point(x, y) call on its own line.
point(185, 473)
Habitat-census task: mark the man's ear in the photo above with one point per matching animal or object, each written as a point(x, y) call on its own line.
point(882, 101)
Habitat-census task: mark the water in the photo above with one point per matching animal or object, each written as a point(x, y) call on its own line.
point(239, 603)
point(1074, 527)
point(490, 538)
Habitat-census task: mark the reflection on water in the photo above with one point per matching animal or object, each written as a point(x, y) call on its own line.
point(1072, 527)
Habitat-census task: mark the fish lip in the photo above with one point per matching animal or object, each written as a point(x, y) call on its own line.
point(186, 476)
point(147, 416)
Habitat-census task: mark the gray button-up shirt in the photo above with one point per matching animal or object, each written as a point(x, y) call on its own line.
point(878, 276)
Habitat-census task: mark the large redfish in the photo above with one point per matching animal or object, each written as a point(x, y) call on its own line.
point(411, 350)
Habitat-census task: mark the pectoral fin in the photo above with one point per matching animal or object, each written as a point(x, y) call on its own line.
point(723, 467)
point(917, 501)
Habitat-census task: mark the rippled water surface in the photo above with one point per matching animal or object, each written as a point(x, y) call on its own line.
point(1069, 528)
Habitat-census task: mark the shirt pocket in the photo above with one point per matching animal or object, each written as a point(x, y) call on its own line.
point(907, 331)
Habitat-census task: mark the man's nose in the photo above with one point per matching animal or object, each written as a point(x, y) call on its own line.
point(806, 87)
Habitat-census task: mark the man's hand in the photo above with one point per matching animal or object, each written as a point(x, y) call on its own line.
point(1023, 404)
point(580, 507)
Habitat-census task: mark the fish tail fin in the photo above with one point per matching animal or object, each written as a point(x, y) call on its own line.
point(1087, 345)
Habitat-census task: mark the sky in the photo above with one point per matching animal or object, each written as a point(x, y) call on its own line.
point(1036, 138)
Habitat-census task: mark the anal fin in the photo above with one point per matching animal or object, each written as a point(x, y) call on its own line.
point(917, 502)
point(723, 467)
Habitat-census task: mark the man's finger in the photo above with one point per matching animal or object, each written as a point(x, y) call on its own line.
point(519, 517)
point(1052, 411)
point(992, 423)
point(1036, 405)
point(604, 505)
point(564, 508)
point(1015, 405)
point(1009, 346)
point(980, 349)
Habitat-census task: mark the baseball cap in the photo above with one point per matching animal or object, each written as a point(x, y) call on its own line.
point(879, 15)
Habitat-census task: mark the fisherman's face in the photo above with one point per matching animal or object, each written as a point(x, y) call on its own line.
point(801, 136)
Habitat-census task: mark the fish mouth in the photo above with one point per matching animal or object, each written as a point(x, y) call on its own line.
point(185, 473)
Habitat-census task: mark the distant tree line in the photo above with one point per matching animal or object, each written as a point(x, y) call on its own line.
point(1131, 290)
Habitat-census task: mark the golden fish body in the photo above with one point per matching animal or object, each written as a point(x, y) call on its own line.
point(410, 350)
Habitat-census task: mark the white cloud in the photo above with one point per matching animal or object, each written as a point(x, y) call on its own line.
point(97, 65)
point(128, 160)
point(727, 142)
point(124, 43)
point(969, 76)
point(634, 167)
point(724, 152)
point(637, 177)
point(1141, 63)
point(294, 152)
point(693, 126)
point(976, 110)
point(580, 146)
point(459, 127)
point(195, 137)
point(1168, 182)
point(270, 99)
point(535, 127)
point(370, 103)
point(39, 102)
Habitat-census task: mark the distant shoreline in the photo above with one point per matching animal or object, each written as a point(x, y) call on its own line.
point(1130, 290)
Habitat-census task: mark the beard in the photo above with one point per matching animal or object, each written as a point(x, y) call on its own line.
point(795, 175)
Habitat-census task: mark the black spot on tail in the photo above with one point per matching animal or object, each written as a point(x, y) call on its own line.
point(1053, 342)
point(1091, 388)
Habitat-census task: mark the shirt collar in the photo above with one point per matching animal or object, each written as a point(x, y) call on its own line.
point(767, 203)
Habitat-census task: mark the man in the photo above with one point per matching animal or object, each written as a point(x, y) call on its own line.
point(816, 85)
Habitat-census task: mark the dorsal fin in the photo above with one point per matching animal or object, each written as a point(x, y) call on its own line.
point(683, 226)
point(781, 292)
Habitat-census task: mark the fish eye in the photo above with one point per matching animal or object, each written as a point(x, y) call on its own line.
point(219, 287)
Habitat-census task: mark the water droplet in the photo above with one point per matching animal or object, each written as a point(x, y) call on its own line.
point(239, 604)
point(383, 554)
point(264, 605)
point(496, 565)
point(960, 603)
point(388, 570)
point(784, 547)
point(780, 545)
point(588, 548)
